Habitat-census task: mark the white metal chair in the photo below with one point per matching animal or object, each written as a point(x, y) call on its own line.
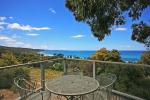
point(106, 81)
point(26, 86)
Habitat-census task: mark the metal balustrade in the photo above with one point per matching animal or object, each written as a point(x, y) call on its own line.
point(116, 95)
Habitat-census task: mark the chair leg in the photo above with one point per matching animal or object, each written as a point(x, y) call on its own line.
point(93, 96)
point(81, 97)
point(49, 97)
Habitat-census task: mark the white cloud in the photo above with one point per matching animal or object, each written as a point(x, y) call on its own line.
point(3, 23)
point(1, 27)
point(13, 42)
point(32, 34)
point(27, 46)
point(9, 41)
point(15, 36)
point(52, 10)
point(44, 46)
point(11, 17)
point(25, 27)
point(2, 18)
point(120, 29)
point(5, 38)
point(125, 47)
point(78, 36)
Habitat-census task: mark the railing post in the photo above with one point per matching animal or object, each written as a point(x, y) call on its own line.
point(94, 70)
point(42, 77)
point(65, 67)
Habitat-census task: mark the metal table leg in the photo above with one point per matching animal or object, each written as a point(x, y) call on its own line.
point(71, 97)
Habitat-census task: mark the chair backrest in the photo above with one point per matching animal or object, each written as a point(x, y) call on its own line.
point(107, 79)
point(25, 85)
point(75, 71)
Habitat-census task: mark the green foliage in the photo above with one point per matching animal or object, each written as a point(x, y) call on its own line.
point(141, 33)
point(145, 58)
point(16, 50)
point(102, 15)
point(12, 56)
point(106, 55)
point(28, 57)
point(131, 79)
point(84, 67)
point(14, 88)
point(7, 59)
point(58, 66)
point(7, 76)
point(59, 55)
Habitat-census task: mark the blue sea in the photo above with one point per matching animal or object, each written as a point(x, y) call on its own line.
point(127, 56)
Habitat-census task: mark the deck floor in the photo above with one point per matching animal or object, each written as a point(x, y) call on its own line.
point(46, 96)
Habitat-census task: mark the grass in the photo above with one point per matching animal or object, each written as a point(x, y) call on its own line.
point(35, 73)
point(49, 73)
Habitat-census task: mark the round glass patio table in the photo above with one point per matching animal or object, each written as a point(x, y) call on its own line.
point(72, 85)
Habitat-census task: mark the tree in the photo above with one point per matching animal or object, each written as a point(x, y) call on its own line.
point(106, 55)
point(102, 15)
point(7, 58)
point(141, 33)
point(145, 58)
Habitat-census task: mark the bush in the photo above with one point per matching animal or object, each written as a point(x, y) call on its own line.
point(106, 55)
point(145, 58)
point(131, 79)
point(58, 67)
point(7, 76)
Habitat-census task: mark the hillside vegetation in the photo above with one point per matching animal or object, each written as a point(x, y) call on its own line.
point(131, 79)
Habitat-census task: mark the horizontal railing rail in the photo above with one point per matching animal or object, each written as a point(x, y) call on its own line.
point(108, 62)
point(125, 95)
point(120, 94)
point(19, 65)
point(30, 63)
point(42, 72)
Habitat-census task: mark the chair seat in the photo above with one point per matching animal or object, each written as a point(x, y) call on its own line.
point(25, 85)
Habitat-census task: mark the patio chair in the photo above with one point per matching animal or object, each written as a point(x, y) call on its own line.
point(106, 81)
point(25, 85)
point(75, 71)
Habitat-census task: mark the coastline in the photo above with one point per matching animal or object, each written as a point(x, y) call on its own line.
point(126, 55)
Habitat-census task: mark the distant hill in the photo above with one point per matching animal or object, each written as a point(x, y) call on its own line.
point(18, 49)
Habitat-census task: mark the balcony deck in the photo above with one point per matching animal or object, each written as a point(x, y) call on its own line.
point(90, 70)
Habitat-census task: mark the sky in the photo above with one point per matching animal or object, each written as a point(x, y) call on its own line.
point(48, 24)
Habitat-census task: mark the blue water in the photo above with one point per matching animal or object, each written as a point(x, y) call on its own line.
point(132, 56)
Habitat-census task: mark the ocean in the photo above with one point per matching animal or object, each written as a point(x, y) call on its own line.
point(127, 56)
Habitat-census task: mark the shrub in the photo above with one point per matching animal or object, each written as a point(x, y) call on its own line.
point(106, 55)
point(58, 67)
point(145, 58)
point(7, 76)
